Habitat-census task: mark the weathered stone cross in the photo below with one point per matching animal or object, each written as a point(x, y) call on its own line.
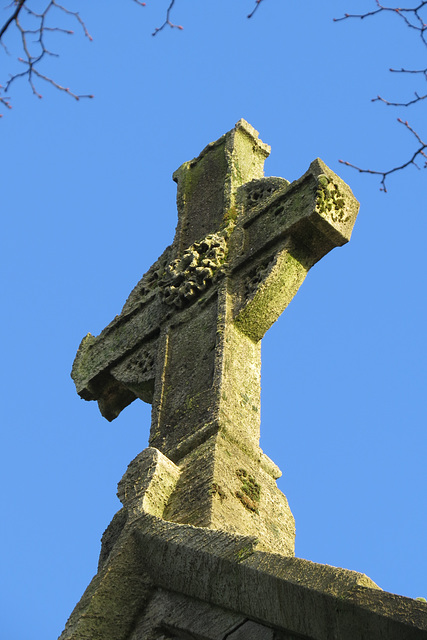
point(188, 338)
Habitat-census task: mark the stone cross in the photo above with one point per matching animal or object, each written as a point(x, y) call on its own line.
point(188, 338)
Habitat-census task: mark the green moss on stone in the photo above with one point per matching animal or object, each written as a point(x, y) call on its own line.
point(217, 490)
point(330, 200)
point(250, 492)
point(271, 298)
point(230, 215)
point(244, 552)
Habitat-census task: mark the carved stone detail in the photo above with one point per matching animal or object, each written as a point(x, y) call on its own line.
point(188, 276)
point(330, 200)
point(185, 278)
point(140, 365)
point(256, 276)
point(258, 191)
point(136, 371)
point(149, 282)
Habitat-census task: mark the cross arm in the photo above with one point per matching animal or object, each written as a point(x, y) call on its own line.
point(118, 365)
point(318, 209)
point(281, 237)
point(103, 368)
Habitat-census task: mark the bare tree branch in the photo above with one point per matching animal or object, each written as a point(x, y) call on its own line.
point(413, 18)
point(417, 98)
point(12, 18)
point(167, 21)
point(4, 100)
point(421, 151)
point(30, 23)
point(22, 14)
point(257, 3)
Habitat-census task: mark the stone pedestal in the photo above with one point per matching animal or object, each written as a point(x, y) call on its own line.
point(161, 580)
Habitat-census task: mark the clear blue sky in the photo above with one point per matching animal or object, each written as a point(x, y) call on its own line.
point(88, 204)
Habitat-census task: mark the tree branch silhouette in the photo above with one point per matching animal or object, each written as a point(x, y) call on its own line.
point(421, 151)
point(32, 28)
point(413, 18)
point(167, 21)
point(257, 3)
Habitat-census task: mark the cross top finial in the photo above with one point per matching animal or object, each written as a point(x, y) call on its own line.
point(207, 185)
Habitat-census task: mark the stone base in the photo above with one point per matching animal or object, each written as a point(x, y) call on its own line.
point(223, 487)
point(163, 580)
point(173, 616)
point(217, 486)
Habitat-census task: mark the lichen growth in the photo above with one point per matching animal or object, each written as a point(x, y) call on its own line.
point(149, 282)
point(198, 167)
point(271, 296)
point(250, 491)
point(244, 552)
point(217, 490)
point(186, 277)
point(230, 216)
point(82, 363)
point(330, 200)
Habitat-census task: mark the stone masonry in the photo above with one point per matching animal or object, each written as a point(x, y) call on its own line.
point(203, 547)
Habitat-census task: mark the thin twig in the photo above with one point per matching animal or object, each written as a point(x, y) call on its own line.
point(411, 16)
point(167, 21)
point(409, 103)
point(12, 18)
point(413, 19)
point(257, 3)
point(421, 151)
point(5, 101)
point(417, 98)
point(30, 60)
